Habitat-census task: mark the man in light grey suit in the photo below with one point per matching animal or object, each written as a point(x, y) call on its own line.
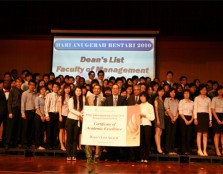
point(94, 100)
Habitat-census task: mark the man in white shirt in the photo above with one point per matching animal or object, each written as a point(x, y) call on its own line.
point(169, 78)
point(52, 116)
point(91, 76)
point(94, 100)
point(28, 77)
point(101, 75)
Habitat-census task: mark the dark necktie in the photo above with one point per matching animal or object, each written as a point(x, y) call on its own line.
point(136, 99)
point(115, 100)
point(95, 100)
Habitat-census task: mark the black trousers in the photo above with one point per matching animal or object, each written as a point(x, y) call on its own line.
point(145, 141)
point(170, 133)
point(186, 135)
point(3, 119)
point(39, 131)
point(133, 153)
point(14, 127)
point(72, 137)
point(52, 130)
point(28, 128)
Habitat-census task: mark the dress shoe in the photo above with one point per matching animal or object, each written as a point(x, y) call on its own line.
point(145, 161)
point(69, 158)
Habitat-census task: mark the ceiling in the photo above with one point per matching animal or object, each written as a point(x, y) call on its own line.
point(172, 18)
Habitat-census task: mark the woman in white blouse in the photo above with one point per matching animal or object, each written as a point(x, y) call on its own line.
point(217, 111)
point(202, 119)
point(147, 115)
point(75, 105)
point(63, 112)
point(186, 108)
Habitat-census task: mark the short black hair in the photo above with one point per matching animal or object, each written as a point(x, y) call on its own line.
point(143, 94)
point(192, 85)
point(28, 74)
point(7, 73)
point(111, 78)
point(173, 89)
point(202, 86)
point(169, 72)
point(118, 79)
point(51, 74)
point(142, 77)
point(45, 75)
point(160, 88)
point(25, 71)
point(56, 83)
point(210, 81)
point(219, 88)
point(101, 71)
point(91, 72)
point(182, 77)
point(41, 87)
point(32, 81)
point(186, 90)
point(135, 77)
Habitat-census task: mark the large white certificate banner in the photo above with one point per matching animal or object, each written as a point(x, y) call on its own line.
point(111, 126)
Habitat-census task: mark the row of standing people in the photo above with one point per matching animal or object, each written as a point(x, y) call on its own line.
point(50, 113)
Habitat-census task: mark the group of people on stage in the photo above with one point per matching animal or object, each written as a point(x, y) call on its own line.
point(46, 112)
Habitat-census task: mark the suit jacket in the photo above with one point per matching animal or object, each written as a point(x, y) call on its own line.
point(90, 100)
point(3, 103)
point(109, 101)
point(131, 100)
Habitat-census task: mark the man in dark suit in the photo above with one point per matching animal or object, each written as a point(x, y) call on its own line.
point(114, 153)
point(3, 109)
point(13, 131)
point(134, 100)
point(115, 99)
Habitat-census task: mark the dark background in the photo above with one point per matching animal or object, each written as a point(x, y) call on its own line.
point(190, 41)
point(180, 18)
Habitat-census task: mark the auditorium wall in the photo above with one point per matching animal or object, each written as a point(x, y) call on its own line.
point(195, 59)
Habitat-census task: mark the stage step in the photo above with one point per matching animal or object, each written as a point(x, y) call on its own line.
point(81, 155)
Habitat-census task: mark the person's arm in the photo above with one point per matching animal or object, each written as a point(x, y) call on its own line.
point(195, 111)
point(23, 103)
point(37, 107)
point(177, 114)
point(10, 100)
point(59, 105)
point(156, 113)
point(150, 113)
point(166, 105)
point(213, 106)
point(210, 114)
point(47, 107)
point(180, 106)
point(192, 117)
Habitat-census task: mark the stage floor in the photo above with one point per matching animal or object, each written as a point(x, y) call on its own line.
point(34, 165)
